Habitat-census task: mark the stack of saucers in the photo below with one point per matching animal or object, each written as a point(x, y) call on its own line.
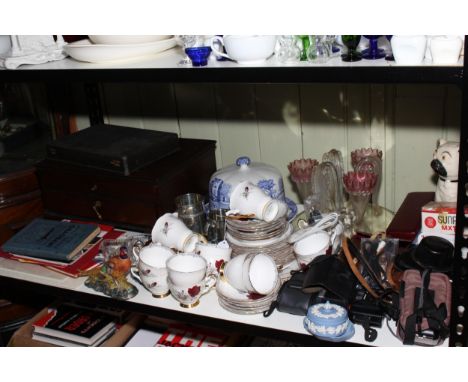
point(239, 302)
point(258, 236)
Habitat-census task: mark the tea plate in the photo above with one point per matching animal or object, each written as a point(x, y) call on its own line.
point(260, 243)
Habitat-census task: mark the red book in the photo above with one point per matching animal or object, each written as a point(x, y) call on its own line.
point(74, 324)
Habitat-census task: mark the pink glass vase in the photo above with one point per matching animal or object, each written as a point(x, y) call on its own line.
point(359, 186)
point(301, 174)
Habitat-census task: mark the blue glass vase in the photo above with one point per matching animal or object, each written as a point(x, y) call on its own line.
point(373, 52)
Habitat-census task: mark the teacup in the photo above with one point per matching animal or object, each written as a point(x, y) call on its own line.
point(188, 279)
point(173, 233)
point(152, 271)
point(245, 49)
point(311, 246)
point(214, 254)
point(251, 273)
point(249, 199)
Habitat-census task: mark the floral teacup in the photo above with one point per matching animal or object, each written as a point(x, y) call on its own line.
point(214, 254)
point(188, 279)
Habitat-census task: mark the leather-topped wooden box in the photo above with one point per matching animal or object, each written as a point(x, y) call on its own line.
point(131, 202)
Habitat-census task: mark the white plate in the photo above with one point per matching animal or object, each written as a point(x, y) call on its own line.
point(85, 50)
point(127, 39)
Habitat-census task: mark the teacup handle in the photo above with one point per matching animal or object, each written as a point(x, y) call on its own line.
point(214, 48)
point(202, 239)
point(210, 282)
point(136, 275)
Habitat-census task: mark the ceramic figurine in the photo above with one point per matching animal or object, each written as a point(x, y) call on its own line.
point(32, 50)
point(445, 164)
point(110, 278)
point(113, 284)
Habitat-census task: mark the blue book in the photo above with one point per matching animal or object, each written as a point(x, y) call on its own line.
point(52, 239)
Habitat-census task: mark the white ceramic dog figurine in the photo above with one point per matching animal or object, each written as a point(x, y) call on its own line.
point(445, 164)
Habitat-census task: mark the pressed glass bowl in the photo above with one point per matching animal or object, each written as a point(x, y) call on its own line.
point(199, 55)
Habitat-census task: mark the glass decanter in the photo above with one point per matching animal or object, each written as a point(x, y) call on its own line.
point(288, 52)
point(319, 50)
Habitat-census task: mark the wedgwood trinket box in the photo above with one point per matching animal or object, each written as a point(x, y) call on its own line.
point(265, 176)
point(328, 322)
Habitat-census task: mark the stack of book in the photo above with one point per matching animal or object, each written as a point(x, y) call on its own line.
point(69, 325)
point(158, 334)
point(59, 254)
point(52, 240)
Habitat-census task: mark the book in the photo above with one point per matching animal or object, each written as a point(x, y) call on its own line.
point(177, 336)
point(52, 239)
point(81, 263)
point(47, 262)
point(61, 342)
point(74, 324)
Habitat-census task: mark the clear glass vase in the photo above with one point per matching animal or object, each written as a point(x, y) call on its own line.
point(304, 189)
point(359, 202)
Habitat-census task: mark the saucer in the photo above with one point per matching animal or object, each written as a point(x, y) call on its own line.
point(260, 243)
point(348, 334)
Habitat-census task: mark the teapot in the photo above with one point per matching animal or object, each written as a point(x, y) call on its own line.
point(265, 176)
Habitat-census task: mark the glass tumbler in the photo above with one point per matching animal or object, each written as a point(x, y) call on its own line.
point(215, 228)
point(190, 209)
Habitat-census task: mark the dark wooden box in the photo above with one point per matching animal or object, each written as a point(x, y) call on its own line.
point(119, 149)
point(134, 201)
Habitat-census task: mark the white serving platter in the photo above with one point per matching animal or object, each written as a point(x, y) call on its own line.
point(85, 50)
point(126, 39)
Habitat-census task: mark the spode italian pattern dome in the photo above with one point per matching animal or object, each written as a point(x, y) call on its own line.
point(265, 176)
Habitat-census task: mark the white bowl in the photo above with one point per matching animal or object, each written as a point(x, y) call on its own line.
point(126, 39)
point(246, 49)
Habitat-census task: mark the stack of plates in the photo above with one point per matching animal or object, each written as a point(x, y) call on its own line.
point(244, 303)
point(253, 229)
point(257, 236)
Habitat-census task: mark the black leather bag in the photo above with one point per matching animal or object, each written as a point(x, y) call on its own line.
point(291, 299)
point(331, 273)
point(294, 298)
